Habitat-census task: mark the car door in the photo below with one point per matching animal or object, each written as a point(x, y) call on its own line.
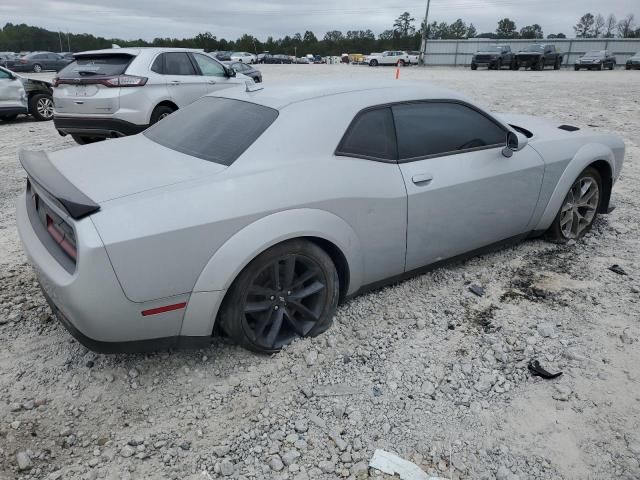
point(184, 82)
point(12, 94)
point(463, 194)
point(213, 73)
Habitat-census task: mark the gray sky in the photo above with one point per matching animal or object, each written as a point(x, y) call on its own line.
point(130, 19)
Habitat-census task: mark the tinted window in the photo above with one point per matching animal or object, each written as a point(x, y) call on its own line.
point(158, 64)
point(371, 134)
point(433, 128)
point(113, 64)
point(178, 63)
point(208, 66)
point(214, 129)
point(4, 74)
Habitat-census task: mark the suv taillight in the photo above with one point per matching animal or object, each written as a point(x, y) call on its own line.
point(125, 81)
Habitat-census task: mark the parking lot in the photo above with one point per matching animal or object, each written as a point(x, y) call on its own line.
point(424, 368)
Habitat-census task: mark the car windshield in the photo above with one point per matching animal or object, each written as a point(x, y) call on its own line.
point(535, 48)
point(594, 53)
point(214, 129)
point(113, 64)
point(491, 48)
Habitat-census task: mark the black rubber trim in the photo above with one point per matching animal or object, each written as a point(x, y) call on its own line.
point(42, 172)
point(136, 346)
point(569, 128)
point(96, 127)
point(13, 111)
point(449, 261)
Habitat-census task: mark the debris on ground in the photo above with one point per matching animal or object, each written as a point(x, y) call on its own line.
point(392, 464)
point(618, 269)
point(538, 371)
point(476, 290)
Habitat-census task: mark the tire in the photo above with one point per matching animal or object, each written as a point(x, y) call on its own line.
point(627, 67)
point(159, 113)
point(474, 66)
point(273, 316)
point(82, 140)
point(556, 66)
point(401, 63)
point(37, 68)
point(373, 63)
point(600, 66)
point(560, 230)
point(612, 66)
point(576, 68)
point(8, 118)
point(499, 64)
point(540, 65)
point(41, 107)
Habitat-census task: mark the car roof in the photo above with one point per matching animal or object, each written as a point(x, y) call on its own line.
point(362, 94)
point(138, 50)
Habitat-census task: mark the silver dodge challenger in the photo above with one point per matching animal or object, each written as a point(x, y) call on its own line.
point(253, 213)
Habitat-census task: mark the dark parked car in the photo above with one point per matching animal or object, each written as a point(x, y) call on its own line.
point(246, 69)
point(6, 58)
point(494, 57)
point(223, 56)
point(633, 62)
point(24, 96)
point(40, 61)
point(596, 60)
point(537, 56)
point(279, 59)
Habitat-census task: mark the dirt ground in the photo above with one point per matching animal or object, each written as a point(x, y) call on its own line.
point(424, 369)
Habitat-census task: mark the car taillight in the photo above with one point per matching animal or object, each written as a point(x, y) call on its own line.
point(56, 82)
point(125, 81)
point(63, 236)
point(22, 61)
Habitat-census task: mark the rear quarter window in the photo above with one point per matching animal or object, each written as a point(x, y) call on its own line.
point(214, 129)
point(107, 65)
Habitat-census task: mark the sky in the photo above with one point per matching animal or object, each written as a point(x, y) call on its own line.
point(147, 19)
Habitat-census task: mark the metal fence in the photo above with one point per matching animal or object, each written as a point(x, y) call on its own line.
point(459, 52)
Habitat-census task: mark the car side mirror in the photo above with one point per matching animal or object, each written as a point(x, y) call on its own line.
point(230, 72)
point(514, 143)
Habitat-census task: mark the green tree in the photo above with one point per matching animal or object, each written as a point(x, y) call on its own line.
point(457, 30)
point(403, 25)
point(471, 31)
point(531, 31)
point(506, 29)
point(610, 26)
point(584, 27)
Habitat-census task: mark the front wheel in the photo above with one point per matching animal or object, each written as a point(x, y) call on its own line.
point(540, 65)
point(474, 66)
point(600, 66)
point(37, 68)
point(41, 107)
point(373, 63)
point(556, 66)
point(290, 291)
point(401, 63)
point(579, 208)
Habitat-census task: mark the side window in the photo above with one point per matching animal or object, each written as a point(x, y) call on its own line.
point(158, 64)
point(208, 66)
point(436, 128)
point(370, 135)
point(4, 74)
point(178, 63)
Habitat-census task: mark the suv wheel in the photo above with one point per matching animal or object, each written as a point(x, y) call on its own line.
point(37, 68)
point(41, 107)
point(159, 113)
point(373, 63)
point(289, 291)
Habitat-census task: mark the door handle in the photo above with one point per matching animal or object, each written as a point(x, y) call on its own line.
point(175, 82)
point(422, 178)
point(212, 82)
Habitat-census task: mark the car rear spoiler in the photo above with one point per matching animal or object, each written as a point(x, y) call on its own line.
point(41, 171)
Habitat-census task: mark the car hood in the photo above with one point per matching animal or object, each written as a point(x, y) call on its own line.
point(487, 53)
point(540, 127)
point(116, 168)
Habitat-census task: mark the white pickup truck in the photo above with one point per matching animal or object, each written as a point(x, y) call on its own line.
point(388, 58)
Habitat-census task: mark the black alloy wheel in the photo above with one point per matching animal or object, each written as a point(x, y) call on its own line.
point(288, 292)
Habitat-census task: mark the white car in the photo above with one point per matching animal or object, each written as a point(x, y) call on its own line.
point(244, 57)
point(24, 96)
point(388, 58)
point(118, 92)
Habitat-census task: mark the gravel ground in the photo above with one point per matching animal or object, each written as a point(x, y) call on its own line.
point(424, 368)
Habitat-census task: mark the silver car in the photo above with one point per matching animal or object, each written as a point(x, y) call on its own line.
point(24, 96)
point(254, 213)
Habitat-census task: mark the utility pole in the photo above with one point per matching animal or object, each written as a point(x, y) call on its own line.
point(60, 40)
point(423, 45)
point(68, 43)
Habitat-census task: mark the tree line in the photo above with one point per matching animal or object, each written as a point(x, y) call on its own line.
point(404, 35)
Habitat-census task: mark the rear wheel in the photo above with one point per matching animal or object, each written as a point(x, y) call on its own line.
point(579, 208)
point(160, 112)
point(37, 68)
point(288, 292)
point(41, 107)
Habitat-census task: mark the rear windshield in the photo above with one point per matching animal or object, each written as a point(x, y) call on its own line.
point(214, 129)
point(108, 65)
point(534, 48)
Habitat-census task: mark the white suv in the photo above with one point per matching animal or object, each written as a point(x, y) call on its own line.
point(388, 58)
point(119, 92)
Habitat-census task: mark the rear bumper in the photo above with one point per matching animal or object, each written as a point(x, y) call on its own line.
point(96, 126)
point(6, 111)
